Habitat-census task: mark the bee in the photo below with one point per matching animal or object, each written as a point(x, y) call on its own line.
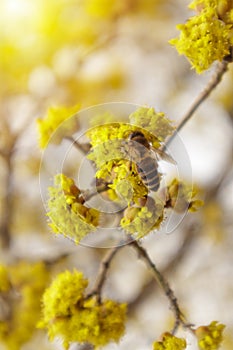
point(145, 157)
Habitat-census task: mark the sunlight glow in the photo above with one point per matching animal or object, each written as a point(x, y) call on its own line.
point(17, 8)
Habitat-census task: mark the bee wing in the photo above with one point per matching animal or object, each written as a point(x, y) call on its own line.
point(164, 156)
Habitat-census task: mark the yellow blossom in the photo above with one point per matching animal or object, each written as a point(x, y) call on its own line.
point(210, 337)
point(68, 314)
point(139, 221)
point(111, 152)
point(67, 213)
point(199, 5)
point(182, 196)
point(63, 294)
point(71, 192)
point(224, 8)
point(170, 342)
point(127, 183)
point(204, 38)
point(110, 131)
point(57, 124)
point(105, 152)
point(124, 190)
point(155, 123)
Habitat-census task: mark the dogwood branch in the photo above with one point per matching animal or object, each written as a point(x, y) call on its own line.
point(179, 318)
point(103, 269)
point(211, 85)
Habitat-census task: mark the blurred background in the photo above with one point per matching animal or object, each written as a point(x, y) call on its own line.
point(87, 52)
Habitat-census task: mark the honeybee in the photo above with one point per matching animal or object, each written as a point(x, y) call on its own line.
point(145, 157)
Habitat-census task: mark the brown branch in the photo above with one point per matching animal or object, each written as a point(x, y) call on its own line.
point(211, 85)
point(191, 233)
point(7, 201)
point(7, 152)
point(85, 346)
point(82, 147)
point(179, 318)
point(103, 270)
point(88, 194)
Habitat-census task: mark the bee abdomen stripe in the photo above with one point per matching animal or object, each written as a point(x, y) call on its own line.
point(148, 164)
point(149, 176)
point(155, 187)
point(153, 180)
point(152, 176)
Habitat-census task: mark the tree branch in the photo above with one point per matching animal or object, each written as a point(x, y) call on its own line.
point(190, 235)
point(211, 85)
point(103, 270)
point(7, 152)
point(7, 201)
point(179, 318)
point(82, 147)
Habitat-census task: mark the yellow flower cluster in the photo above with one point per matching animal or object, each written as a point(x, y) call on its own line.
point(111, 151)
point(111, 131)
point(68, 314)
point(57, 124)
point(181, 197)
point(210, 337)
point(22, 286)
point(154, 122)
point(111, 155)
point(170, 342)
point(206, 37)
point(67, 213)
point(126, 182)
point(116, 160)
point(154, 125)
point(105, 155)
point(140, 220)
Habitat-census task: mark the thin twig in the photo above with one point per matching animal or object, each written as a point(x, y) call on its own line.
point(85, 346)
point(179, 318)
point(83, 147)
point(7, 212)
point(102, 273)
point(88, 194)
point(7, 200)
point(7, 152)
point(191, 234)
point(211, 85)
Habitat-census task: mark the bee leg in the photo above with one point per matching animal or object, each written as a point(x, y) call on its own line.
point(130, 166)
